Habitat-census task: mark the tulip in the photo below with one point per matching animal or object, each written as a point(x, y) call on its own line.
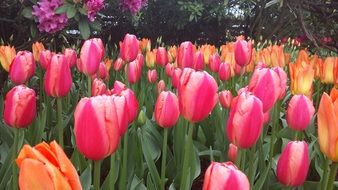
point(225, 98)
point(58, 78)
point(185, 55)
point(224, 71)
point(45, 58)
point(172, 53)
point(293, 164)
point(70, 56)
point(46, 166)
point(134, 69)
point(166, 109)
point(176, 75)
point(169, 69)
point(20, 107)
point(283, 81)
point(300, 112)
point(7, 54)
point(145, 45)
point(98, 87)
point(214, 62)
point(97, 126)
point(91, 54)
point(161, 56)
point(129, 48)
point(118, 64)
point(161, 86)
point(243, 52)
point(265, 84)
point(22, 67)
point(152, 76)
point(198, 61)
point(150, 59)
point(245, 122)
point(207, 50)
point(37, 48)
point(266, 118)
point(327, 118)
point(197, 92)
point(327, 70)
point(334, 94)
point(232, 152)
point(225, 176)
point(102, 73)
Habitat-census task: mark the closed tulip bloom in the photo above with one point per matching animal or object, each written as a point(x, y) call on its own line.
point(172, 54)
point(145, 45)
point(327, 70)
point(96, 126)
point(283, 81)
point(118, 64)
point(20, 107)
point(7, 54)
point(243, 52)
point(300, 112)
point(245, 122)
point(150, 59)
point(46, 167)
point(22, 67)
point(91, 54)
point(175, 79)
point(152, 76)
point(58, 78)
point(37, 48)
point(161, 56)
point(129, 48)
point(224, 72)
point(327, 118)
point(301, 79)
point(169, 69)
point(225, 98)
point(225, 176)
point(198, 61)
point(134, 70)
point(266, 117)
point(293, 164)
point(102, 73)
point(166, 110)
point(45, 58)
point(161, 86)
point(185, 57)
point(232, 152)
point(98, 87)
point(265, 85)
point(70, 57)
point(197, 92)
point(334, 94)
point(214, 62)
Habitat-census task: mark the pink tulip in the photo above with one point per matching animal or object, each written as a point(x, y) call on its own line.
point(225, 176)
point(266, 117)
point(224, 72)
point(166, 111)
point(197, 92)
point(225, 98)
point(152, 76)
point(161, 56)
point(58, 78)
point(175, 79)
point(293, 164)
point(214, 62)
point(102, 73)
point(283, 81)
point(232, 152)
point(20, 107)
point(91, 54)
point(134, 70)
point(70, 57)
point(45, 58)
point(185, 55)
point(98, 87)
point(129, 48)
point(245, 122)
point(243, 52)
point(118, 64)
point(161, 86)
point(300, 112)
point(198, 61)
point(22, 67)
point(169, 69)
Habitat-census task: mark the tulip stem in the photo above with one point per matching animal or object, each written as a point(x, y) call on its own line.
point(113, 172)
point(273, 129)
point(251, 166)
point(187, 153)
point(97, 168)
point(89, 86)
point(325, 174)
point(122, 184)
point(14, 155)
point(164, 158)
point(59, 121)
point(332, 177)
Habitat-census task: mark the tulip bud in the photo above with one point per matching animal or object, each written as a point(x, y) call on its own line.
point(152, 76)
point(7, 54)
point(224, 72)
point(198, 61)
point(232, 152)
point(160, 86)
point(185, 55)
point(37, 48)
point(300, 112)
point(225, 176)
point(293, 164)
point(141, 119)
point(22, 67)
point(246, 114)
point(197, 92)
point(98, 87)
point(175, 79)
point(20, 107)
point(214, 62)
point(58, 78)
point(243, 52)
point(225, 98)
point(161, 56)
point(91, 54)
point(166, 109)
point(45, 58)
point(169, 69)
point(102, 73)
point(129, 48)
point(118, 64)
point(70, 57)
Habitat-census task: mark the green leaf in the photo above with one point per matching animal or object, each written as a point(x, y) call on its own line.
point(71, 11)
point(27, 12)
point(95, 25)
point(137, 184)
point(33, 30)
point(62, 9)
point(82, 10)
point(84, 28)
point(86, 178)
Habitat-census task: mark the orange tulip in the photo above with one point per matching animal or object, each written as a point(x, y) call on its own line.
point(335, 72)
point(45, 167)
point(145, 45)
point(172, 54)
point(207, 50)
point(328, 126)
point(277, 56)
point(150, 59)
point(326, 71)
point(37, 48)
point(7, 54)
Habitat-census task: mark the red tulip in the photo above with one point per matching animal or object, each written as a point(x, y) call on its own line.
point(224, 71)
point(20, 107)
point(70, 57)
point(225, 98)
point(197, 92)
point(175, 79)
point(214, 62)
point(265, 84)
point(245, 122)
point(45, 58)
point(160, 86)
point(300, 112)
point(129, 48)
point(161, 56)
point(185, 55)
point(91, 54)
point(166, 111)
point(58, 78)
point(225, 176)
point(198, 61)
point(232, 152)
point(97, 126)
point(152, 76)
point(118, 64)
point(22, 67)
point(98, 87)
point(293, 164)
point(243, 52)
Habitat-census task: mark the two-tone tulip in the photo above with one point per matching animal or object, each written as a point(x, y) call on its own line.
point(22, 67)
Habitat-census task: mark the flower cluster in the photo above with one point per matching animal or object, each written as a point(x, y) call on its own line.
point(93, 7)
point(48, 20)
point(133, 5)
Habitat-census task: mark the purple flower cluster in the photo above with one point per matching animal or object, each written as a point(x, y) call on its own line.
point(93, 6)
point(133, 6)
point(48, 20)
